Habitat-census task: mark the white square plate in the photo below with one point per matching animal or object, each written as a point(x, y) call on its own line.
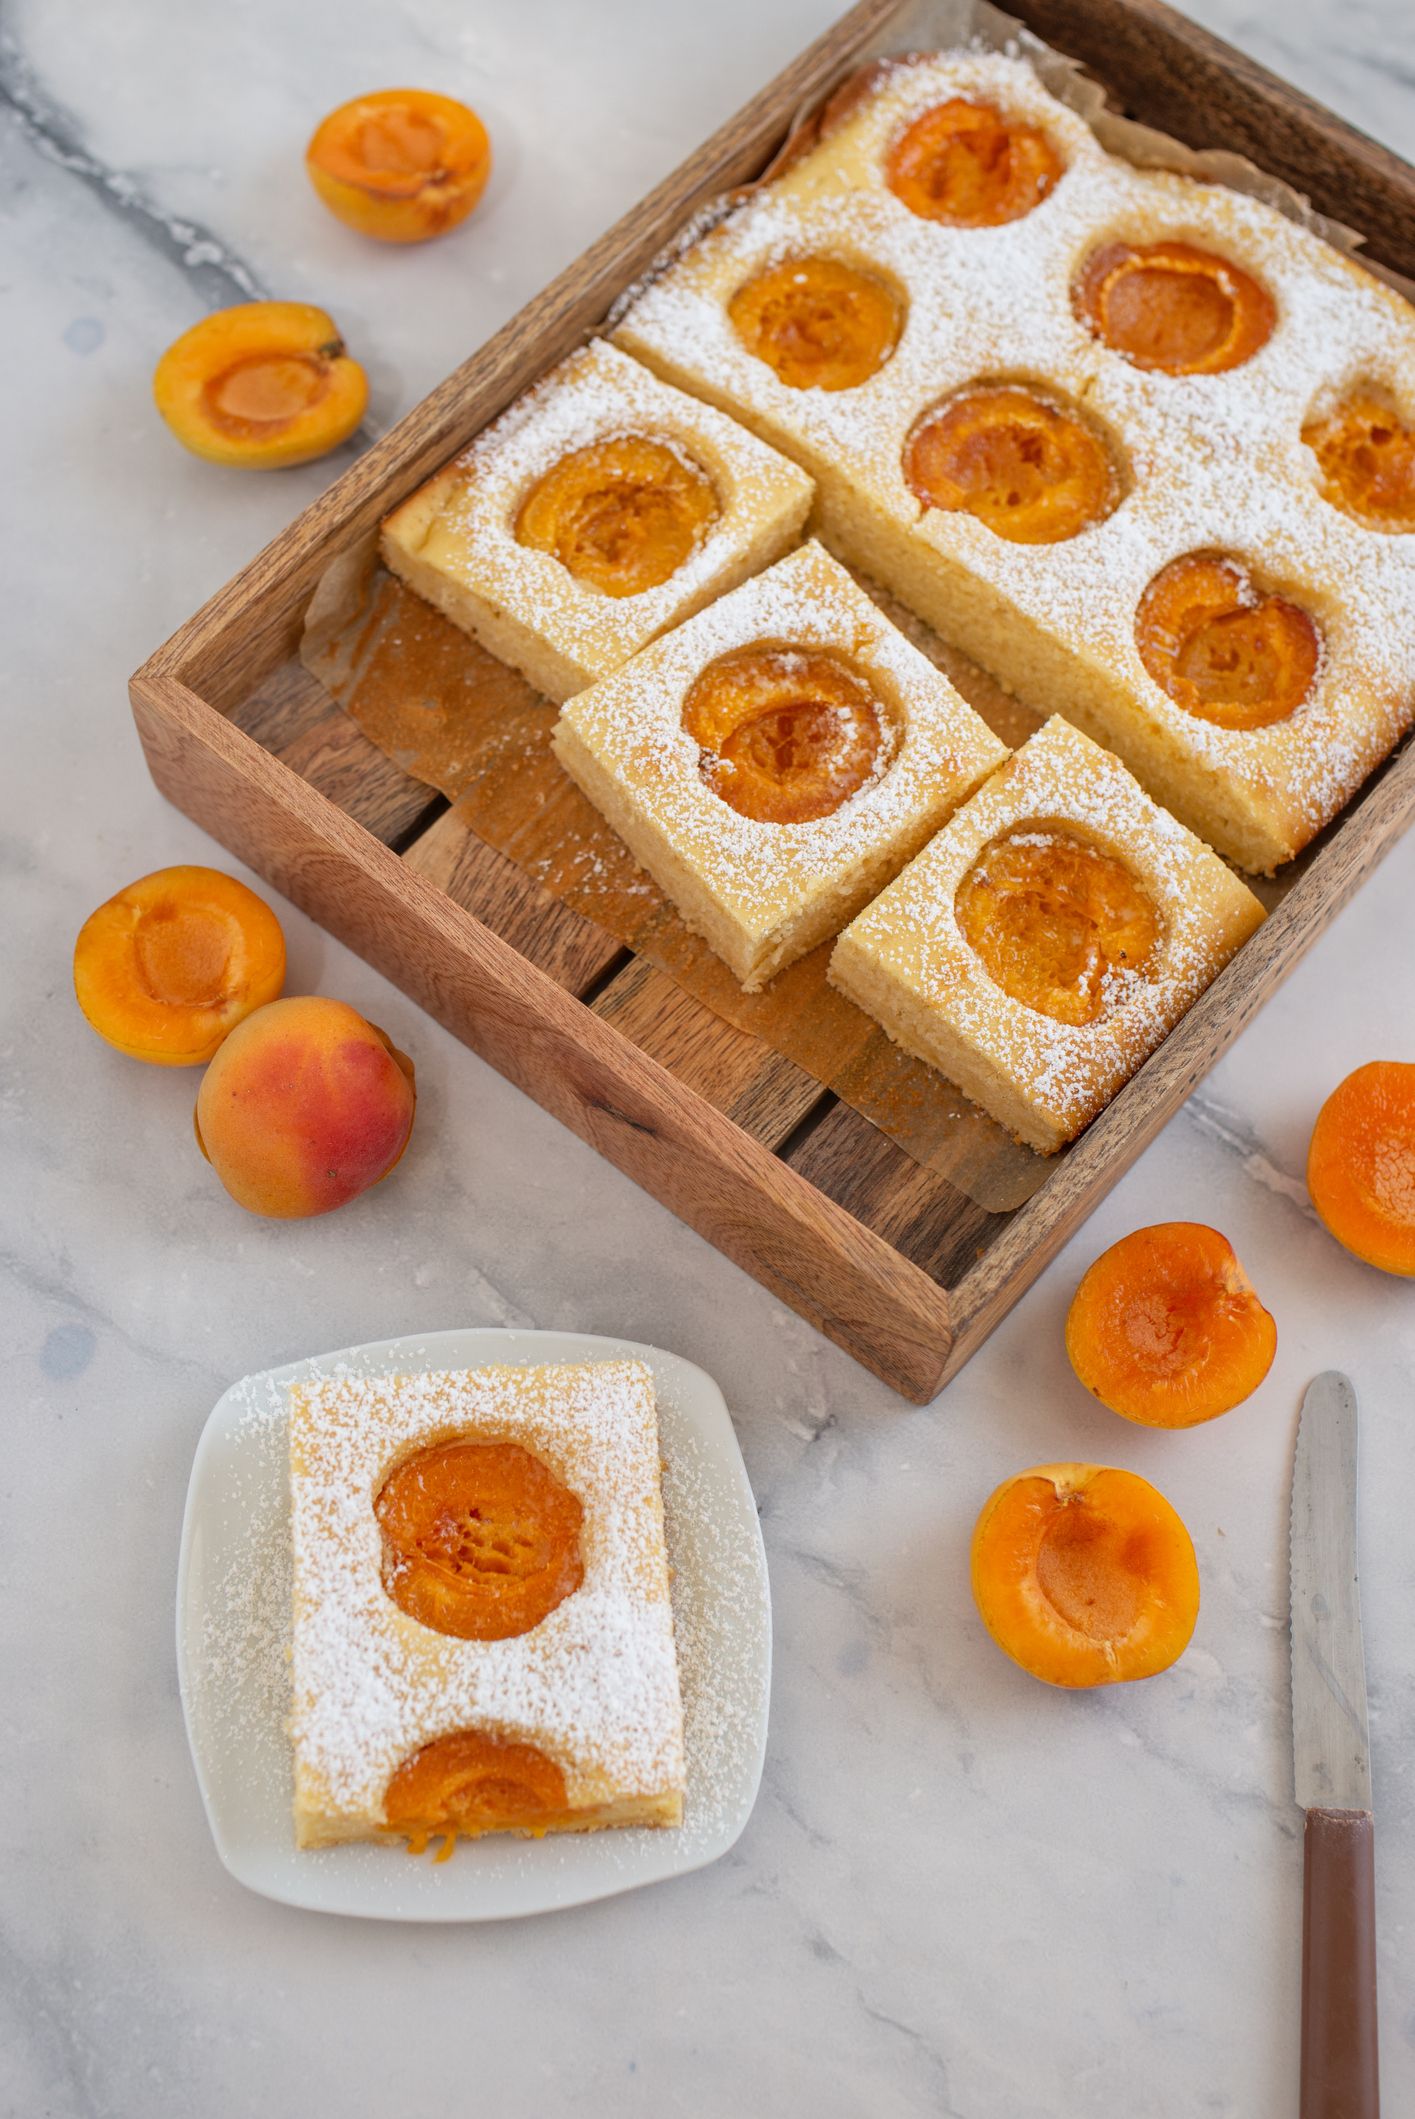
point(233, 1624)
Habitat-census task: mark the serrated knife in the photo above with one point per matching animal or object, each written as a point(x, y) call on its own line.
point(1331, 1762)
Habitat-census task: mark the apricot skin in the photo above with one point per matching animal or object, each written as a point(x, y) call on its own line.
point(1361, 1165)
point(173, 962)
point(260, 386)
point(1167, 1330)
point(401, 164)
point(1084, 1575)
point(304, 1106)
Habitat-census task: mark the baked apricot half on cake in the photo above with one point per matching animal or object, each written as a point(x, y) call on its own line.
point(968, 165)
point(173, 962)
point(1030, 469)
point(1365, 453)
point(401, 164)
point(820, 323)
point(1085, 1575)
point(1057, 923)
point(304, 1106)
point(1174, 307)
point(467, 1783)
point(787, 734)
point(260, 386)
point(480, 1539)
point(1361, 1165)
point(621, 514)
point(1166, 1328)
point(1222, 648)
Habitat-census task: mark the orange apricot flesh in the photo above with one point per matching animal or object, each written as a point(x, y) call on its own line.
point(622, 515)
point(469, 1782)
point(1361, 1165)
point(480, 1539)
point(1223, 650)
point(304, 1106)
point(786, 734)
point(818, 323)
point(1167, 1329)
point(1028, 469)
point(1174, 307)
point(1056, 922)
point(402, 164)
point(260, 386)
point(1366, 455)
point(1084, 1575)
point(967, 165)
point(170, 965)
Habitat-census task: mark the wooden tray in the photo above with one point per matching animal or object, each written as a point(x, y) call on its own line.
point(890, 1260)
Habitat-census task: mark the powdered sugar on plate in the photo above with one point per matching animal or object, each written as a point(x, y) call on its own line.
point(233, 1643)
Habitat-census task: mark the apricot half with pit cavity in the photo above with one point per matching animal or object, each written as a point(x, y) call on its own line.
point(787, 735)
point(1174, 307)
point(470, 1782)
point(1085, 1575)
point(969, 166)
point(1222, 648)
point(304, 1106)
point(1166, 1328)
point(170, 965)
point(401, 164)
point(260, 386)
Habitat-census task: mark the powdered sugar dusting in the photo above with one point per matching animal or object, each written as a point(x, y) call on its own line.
point(600, 394)
point(595, 1684)
point(633, 723)
point(1067, 1071)
point(1209, 461)
point(242, 1674)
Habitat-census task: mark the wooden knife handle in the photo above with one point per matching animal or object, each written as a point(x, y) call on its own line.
point(1340, 2077)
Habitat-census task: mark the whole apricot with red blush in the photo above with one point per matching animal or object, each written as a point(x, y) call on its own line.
point(1361, 1165)
point(1166, 1328)
point(304, 1106)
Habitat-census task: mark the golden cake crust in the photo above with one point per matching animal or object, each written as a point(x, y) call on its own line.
point(906, 962)
point(454, 540)
point(594, 1686)
point(762, 894)
point(1205, 461)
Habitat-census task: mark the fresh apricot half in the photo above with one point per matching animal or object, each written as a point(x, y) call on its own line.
point(967, 165)
point(621, 514)
point(1057, 923)
point(786, 734)
point(401, 164)
point(1027, 467)
point(820, 323)
point(304, 1106)
point(1223, 649)
point(173, 962)
point(261, 385)
point(480, 1539)
point(470, 1782)
point(1167, 1329)
point(1174, 307)
point(1361, 1165)
point(1366, 455)
point(1085, 1575)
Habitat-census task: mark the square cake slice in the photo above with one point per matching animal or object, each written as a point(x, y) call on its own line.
point(1044, 943)
point(483, 1637)
point(602, 508)
point(776, 759)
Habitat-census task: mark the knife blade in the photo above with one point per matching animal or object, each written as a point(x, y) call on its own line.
point(1331, 1764)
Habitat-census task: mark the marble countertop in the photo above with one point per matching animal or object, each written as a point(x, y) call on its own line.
point(961, 1893)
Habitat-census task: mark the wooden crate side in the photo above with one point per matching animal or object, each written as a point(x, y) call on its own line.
point(842, 1278)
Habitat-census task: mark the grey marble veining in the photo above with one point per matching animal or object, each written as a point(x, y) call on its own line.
point(961, 1893)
